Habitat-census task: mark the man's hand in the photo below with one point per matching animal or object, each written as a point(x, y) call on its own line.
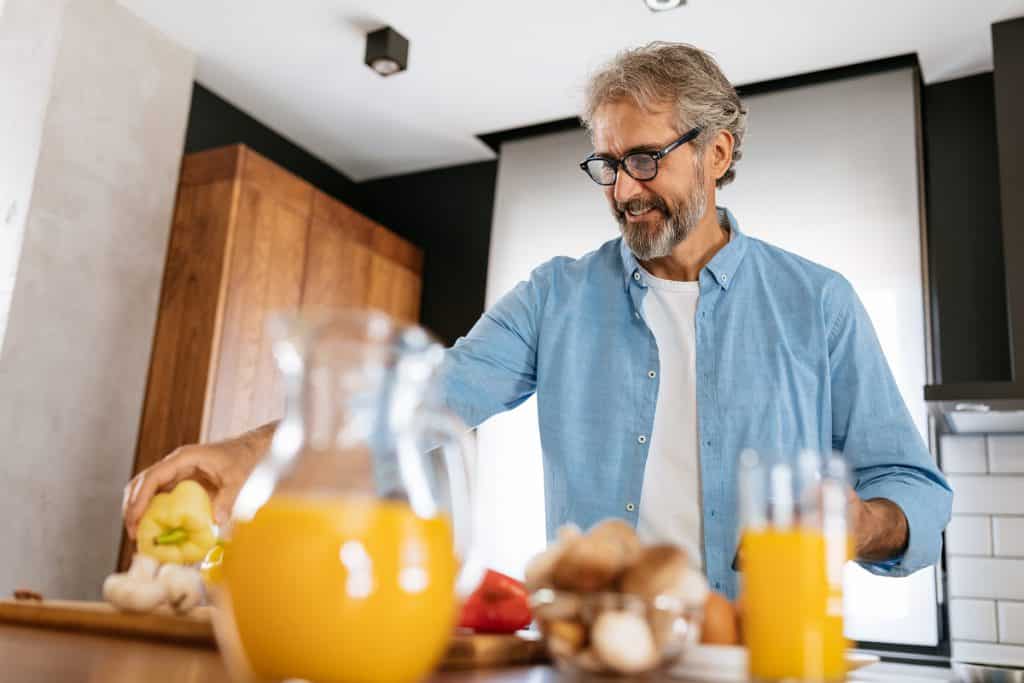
point(879, 527)
point(221, 468)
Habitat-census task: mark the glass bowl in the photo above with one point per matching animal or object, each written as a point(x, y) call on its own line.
point(614, 634)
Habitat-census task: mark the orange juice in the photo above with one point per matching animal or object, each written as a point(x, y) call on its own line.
point(342, 590)
point(792, 618)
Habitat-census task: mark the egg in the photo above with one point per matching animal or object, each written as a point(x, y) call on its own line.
point(720, 625)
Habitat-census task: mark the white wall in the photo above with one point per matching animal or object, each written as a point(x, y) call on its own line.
point(74, 362)
point(829, 172)
point(28, 49)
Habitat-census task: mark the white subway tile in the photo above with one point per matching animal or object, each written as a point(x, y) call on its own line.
point(969, 535)
point(985, 577)
point(985, 653)
point(973, 620)
point(999, 495)
point(1011, 622)
point(963, 454)
point(1009, 535)
point(1006, 453)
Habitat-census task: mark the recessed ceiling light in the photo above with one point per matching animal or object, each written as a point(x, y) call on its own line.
point(387, 51)
point(662, 5)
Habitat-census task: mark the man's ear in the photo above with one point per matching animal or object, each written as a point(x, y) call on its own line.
point(720, 153)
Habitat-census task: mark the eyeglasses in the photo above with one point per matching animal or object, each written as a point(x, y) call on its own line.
point(603, 170)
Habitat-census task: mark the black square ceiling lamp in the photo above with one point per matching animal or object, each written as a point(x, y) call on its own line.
point(662, 5)
point(387, 51)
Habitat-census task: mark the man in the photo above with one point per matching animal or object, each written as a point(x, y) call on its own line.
point(659, 357)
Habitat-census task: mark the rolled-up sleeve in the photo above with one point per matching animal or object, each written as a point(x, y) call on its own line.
point(873, 429)
point(494, 367)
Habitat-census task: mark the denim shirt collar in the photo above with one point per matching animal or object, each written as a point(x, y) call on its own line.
point(722, 266)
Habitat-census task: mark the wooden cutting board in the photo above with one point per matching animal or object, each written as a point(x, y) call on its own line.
point(99, 617)
point(484, 650)
point(467, 650)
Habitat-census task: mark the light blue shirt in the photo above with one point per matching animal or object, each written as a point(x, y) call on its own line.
point(787, 359)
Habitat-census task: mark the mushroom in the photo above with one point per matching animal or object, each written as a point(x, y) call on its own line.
point(540, 570)
point(671, 589)
point(587, 565)
point(692, 589)
point(624, 642)
point(565, 638)
point(183, 585)
point(557, 606)
point(658, 570)
point(143, 566)
point(135, 590)
point(594, 561)
point(620, 533)
point(587, 660)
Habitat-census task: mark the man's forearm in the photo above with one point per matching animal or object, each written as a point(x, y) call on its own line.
point(880, 530)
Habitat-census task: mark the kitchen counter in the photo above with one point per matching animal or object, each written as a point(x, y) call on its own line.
point(34, 655)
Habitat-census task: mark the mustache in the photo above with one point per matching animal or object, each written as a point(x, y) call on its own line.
point(641, 204)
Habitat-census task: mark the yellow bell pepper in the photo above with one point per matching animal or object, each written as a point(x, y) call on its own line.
point(177, 527)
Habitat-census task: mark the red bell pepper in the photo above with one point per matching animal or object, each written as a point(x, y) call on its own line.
point(500, 604)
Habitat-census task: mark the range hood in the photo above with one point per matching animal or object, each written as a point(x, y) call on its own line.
point(999, 406)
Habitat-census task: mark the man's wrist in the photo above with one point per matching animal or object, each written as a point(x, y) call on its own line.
point(254, 444)
point(883, 532)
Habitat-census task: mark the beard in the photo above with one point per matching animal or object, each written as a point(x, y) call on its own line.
point(658, 236)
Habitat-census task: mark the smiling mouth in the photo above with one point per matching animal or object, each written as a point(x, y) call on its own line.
point(632, 215)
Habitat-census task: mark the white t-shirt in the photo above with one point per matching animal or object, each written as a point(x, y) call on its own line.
point(670, 503)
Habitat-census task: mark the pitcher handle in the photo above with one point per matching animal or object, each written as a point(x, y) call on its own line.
point(459, 450)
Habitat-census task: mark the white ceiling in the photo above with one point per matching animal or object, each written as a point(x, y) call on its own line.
point(478, 66)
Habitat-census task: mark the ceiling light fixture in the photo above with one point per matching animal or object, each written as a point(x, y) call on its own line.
point(387, 51)
point(662, 5)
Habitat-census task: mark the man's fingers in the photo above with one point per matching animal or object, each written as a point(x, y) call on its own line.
point(222, 504)
point(146, 484)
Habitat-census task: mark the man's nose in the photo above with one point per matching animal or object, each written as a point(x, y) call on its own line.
point(626, 187)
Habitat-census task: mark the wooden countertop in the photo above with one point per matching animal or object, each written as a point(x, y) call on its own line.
point(38, 655)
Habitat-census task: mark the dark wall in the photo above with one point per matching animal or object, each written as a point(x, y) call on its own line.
point(448, 213)
point(970, 329)
point(215, 122)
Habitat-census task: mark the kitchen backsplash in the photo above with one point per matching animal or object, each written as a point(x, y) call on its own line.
point(985, 547)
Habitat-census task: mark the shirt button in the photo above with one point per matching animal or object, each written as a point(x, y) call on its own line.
point(707, 443)
point(652, 374)
point(637, 314)
point(630, 507)
point(642, 439)
point(725, 277)
point(636, 276)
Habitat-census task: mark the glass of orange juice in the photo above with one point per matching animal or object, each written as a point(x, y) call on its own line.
point(347, 540)
point(794, 542)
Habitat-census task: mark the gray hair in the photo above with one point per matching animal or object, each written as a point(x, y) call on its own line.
point(678, 74)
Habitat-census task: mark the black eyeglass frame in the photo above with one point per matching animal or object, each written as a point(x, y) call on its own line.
point(655, 156)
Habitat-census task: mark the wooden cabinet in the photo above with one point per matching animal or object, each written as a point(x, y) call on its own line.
point(249, 239)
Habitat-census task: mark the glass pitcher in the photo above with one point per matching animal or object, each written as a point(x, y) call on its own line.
point(346, 542)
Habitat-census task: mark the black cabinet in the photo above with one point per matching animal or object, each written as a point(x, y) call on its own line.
point(970, 330)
